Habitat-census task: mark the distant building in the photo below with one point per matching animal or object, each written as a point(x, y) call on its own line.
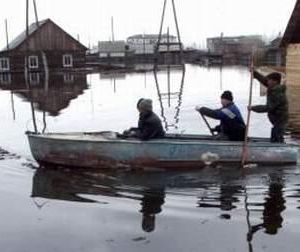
point(234, 49)
point(274, 54)
point(112, 49)
point(240, 44)
point(146, 43)
point(47, 38)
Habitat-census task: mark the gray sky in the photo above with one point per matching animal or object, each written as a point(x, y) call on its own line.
point(198, 19)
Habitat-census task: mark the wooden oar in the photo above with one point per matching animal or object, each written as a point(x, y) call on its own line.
point(245, 146)
point(207, 124)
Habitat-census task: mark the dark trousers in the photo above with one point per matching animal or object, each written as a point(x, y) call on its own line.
point(277, 133)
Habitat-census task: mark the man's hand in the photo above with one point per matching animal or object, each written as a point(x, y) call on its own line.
point(197, 108)
point(216, 129)
point(126, 132)
point(249, 108)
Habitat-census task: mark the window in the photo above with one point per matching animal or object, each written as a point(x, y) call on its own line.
point(4, 64)
point(67, 60)
point(5, 78)
point(34, 78)
point(68, 78)
point(33, 62)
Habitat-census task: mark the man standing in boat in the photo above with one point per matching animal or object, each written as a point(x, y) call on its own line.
point(232, 125)
point(277, 104)
point(149, 124)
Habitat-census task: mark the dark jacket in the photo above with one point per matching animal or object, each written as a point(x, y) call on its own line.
point(149, 126)
point(277, 102)
point(232, 123)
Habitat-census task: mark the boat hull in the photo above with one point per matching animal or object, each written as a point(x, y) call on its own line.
point(100, 151)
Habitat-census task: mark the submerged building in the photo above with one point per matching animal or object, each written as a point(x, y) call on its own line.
point(45, 38)
point(146, 43)
point(112, 49)
point(235, 50)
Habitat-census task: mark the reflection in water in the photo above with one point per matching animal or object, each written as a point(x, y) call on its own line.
point(52, 97)
point(69, 185)
point(152, 201)
point(113, 76)
point(150, 189)
point(228, 196)
point(34, 79)
point(48, 184)
point(5, 79)
point(170, 94)
point(273, 206)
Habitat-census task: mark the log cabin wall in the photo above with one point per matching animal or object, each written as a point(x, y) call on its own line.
point(293, 65)
point(293, 93)
point(62, 50)
point(50, 37)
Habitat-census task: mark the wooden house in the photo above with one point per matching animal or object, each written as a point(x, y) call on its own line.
point(112, 49)
point(291, 41)
point(235, 50)
point(62, 51)
point(143, 44)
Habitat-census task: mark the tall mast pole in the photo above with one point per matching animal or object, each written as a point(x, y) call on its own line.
point(6, 31)
point(112, 29)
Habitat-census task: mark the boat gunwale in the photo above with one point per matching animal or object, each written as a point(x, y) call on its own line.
point(160, 141)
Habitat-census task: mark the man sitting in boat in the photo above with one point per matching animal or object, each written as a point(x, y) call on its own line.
point(149, 124)
point(232, 125)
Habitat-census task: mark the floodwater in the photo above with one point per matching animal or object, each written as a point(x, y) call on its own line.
point(212, 209)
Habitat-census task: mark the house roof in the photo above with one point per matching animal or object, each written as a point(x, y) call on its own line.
point(149, 36)
point(275, 43)
point(21, 38)
point(292, 32)
point(236, 38)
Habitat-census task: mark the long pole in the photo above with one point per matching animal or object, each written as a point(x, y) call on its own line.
point(177, 29)
point(249, 240)
point(27, 35)
point(160, 29)
point(44, 56)
point(112, 29)
point(35, 12)
point(6, 30)
point(207, 124)
point(176, 23)
point(26, 67)
point(245, 146)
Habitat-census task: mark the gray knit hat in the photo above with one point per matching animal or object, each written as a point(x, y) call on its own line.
point(144, 104)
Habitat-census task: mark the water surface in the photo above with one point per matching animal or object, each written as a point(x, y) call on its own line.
point(212, 209)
